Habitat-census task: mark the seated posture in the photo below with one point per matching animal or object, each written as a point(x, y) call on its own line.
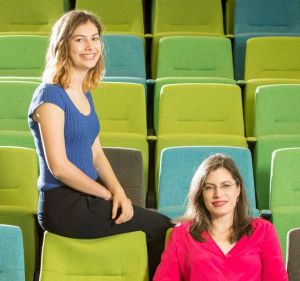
point(216, 239)
point(80, 196)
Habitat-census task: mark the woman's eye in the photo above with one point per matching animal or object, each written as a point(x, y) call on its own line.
point(96, 39)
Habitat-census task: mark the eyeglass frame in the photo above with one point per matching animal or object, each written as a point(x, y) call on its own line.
point(213, 187)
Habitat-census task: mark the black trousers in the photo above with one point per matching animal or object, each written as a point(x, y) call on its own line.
point(68, 212)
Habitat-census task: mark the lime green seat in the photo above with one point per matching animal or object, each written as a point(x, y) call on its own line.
point(18, 198)
point(285, 192)
point(199, 114)
point(123, 17)
point(22, 56)
point(30, 16)
point(192, 59)
point(269, 60)
point(277, 125)
point(119, 257)
point(121, 109)
point(15, 98)
point(190, 17)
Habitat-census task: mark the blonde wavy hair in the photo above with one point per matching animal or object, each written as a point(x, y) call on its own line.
point(58, 63)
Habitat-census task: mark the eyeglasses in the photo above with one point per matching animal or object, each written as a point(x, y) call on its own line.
point(223, 187)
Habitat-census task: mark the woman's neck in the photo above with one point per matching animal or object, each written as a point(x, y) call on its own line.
point(76, 81)
point(222, 224)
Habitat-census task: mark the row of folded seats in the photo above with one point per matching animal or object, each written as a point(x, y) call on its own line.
point(269, 60)
point(94, 256)
point(244, 19)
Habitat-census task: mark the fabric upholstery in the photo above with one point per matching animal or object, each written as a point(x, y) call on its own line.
point(293, 254)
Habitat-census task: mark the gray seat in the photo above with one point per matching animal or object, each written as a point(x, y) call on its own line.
point(293, 254)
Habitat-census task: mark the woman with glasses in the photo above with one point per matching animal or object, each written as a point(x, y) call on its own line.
point(216, 238)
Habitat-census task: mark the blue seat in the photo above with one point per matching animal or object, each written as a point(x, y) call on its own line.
point(179, 164)
point(256, 18)
point(124, 59)
point(11, 253)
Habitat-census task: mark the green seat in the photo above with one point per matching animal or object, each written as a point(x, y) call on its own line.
point(190, 17)
point(121, 109)
point(285, 192)
point(22, 56)
point(18, 198)
point(269, 60)
point(125, 17)
point(199, 114)
point(15, 98)
point(30, 16)
point(119, 257)
point(229, 16)
point(277, 125)
point(192, 59)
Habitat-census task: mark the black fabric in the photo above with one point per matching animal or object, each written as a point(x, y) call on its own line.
point(67, 212)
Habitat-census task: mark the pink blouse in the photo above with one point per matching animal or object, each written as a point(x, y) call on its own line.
point(254, 258)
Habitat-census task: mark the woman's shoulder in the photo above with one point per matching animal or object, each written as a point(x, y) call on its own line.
point(260, 224)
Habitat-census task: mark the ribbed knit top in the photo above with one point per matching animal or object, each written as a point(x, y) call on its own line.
point(80, 132)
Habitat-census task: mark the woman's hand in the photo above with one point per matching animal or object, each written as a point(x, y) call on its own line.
point(120, 201)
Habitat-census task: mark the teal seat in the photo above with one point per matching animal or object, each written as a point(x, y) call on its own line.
point(11, 253)
point(179, 164)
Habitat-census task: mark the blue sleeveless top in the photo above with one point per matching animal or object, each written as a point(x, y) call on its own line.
point(80, 132)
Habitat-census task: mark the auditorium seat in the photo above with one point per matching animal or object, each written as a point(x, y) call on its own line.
point(127, 164)
point(179, 164)
point(285, 195)
point(269, 60)
point(124, 59)
point(121, 109)
point(277, 125)
point(22, 56)
point(190, 17)
point(117, 257)
point(199, 114)
point(293, 253)
point(15, 98)
point(18, 198)
point(256, 18)
point(192, 59)
point(12, 253)
point(125, 17)
point(30, 16)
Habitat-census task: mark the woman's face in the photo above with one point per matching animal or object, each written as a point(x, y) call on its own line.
point(220, 193)
point(85, 47)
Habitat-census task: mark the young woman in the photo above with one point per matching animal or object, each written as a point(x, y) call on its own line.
point(80, 196)
point(216, 239)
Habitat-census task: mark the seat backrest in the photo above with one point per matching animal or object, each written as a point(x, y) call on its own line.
point(29, 16)
point(125, 17)
point(272, 16)
point(128, 167)
point(118, 257)
point(277, 110)
point(18, 177)
point(178, 166)
point(15, 98)
point(272, 57)
point(195, 56)
point(293, 254)
point(22, 55)
point(200, 109)
point(12, 253)
point(124, 56)
point(285, 179)
point(121, 107)
point(188, 16)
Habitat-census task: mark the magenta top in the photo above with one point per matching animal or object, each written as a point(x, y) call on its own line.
point(256, 257)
